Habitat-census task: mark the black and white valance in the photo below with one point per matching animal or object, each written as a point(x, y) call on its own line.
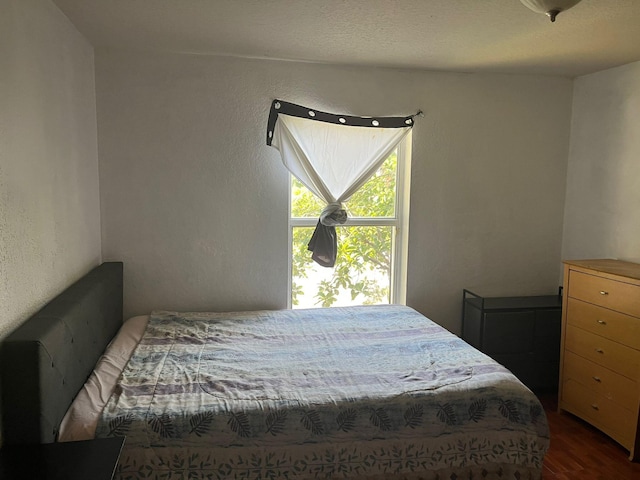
point(333, 156)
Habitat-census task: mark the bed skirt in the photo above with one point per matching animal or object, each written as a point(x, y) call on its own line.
point(508, 457)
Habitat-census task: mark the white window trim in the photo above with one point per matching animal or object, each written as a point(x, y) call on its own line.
point(400, 243)
point(401, 248)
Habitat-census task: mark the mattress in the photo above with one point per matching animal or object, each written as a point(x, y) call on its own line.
point(356, 392)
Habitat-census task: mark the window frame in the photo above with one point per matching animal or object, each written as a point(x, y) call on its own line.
point(400, 222)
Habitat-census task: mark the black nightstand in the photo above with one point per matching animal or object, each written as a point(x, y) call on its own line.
point(521, 333)
point(87, 460)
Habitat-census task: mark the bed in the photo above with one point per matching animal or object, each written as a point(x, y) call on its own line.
point(363, 392)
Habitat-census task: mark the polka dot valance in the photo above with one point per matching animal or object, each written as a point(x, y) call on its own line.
point(333, 156)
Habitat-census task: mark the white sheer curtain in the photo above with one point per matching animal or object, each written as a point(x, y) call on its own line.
point(333, 156)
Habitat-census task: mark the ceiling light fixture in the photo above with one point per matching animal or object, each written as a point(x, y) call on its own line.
point(551, 8)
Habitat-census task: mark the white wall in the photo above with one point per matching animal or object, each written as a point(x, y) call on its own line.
point(195, 203)
point(49, 199)
point(602, 211)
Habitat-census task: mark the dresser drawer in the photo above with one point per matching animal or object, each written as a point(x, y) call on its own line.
point(619, 296)
point(602, 321)
point(610, 354)
point(609, 417)
point(612, 386)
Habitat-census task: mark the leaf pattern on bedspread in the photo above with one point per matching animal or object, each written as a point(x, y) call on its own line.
point(275, 422)
point(162, 425)
point(380, 418)
point(477, 410)
point(509, 410)
point(447, 414)
point(201, 423)
point(535, 411)
point(119, 426)
point(413, 416)
point(346, 420)
point(239, 423)
point(310, 419)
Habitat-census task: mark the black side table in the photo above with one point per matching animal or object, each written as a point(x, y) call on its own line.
point(521, 333)
point(86, 460)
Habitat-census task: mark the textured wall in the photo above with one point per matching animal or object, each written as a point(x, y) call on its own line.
point(49, 200)
point(602, 212)
point(195, 204)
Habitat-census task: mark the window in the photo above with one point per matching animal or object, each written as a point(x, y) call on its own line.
point(372, 245)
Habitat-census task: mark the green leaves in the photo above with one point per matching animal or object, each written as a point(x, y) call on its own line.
point(362, 269)
point(377, 197)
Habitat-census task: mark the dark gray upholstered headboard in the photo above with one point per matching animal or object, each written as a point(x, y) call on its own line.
point(46, 360)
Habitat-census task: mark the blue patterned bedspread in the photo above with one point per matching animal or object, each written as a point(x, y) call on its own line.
point(318, 393)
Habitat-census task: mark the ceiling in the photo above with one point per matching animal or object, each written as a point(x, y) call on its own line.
point(454, 35)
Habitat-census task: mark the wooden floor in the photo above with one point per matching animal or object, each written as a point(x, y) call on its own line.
point(579, 451)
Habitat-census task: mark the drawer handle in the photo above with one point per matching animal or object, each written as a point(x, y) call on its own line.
point(597, 379)
point(602, 322)
point(602, 292)
point(595, 407)
point(599, 350)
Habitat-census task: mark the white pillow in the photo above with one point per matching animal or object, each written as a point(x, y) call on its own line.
point(81, 420)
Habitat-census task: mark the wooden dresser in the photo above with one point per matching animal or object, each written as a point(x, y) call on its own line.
point(600, 347)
